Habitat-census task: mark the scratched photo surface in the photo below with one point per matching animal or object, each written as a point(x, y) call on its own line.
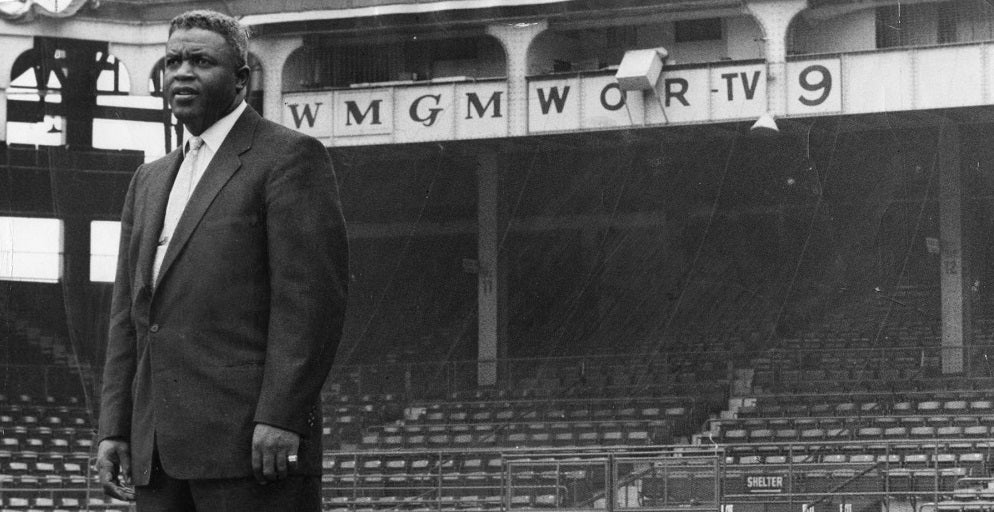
point(577, 229)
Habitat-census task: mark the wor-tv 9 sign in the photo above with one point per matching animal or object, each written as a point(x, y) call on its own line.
point(481, 109)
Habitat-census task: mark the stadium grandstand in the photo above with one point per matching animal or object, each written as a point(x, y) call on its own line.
point(607, 255)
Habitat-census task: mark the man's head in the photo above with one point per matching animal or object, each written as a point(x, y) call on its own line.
point(206, 71)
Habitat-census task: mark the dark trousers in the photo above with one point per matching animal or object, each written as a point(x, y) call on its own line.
point(167, 494)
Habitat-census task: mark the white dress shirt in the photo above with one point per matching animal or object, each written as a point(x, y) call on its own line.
point(212, 137)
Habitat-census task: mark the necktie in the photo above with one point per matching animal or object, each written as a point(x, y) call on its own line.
point(179, 195)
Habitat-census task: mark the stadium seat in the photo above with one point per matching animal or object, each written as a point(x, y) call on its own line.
point(889, 421)
point(760, 435)
point(974, 462)
point(68, 502)
point(567, 438)
point(484, 416)
point(785, 435)
point(845, 409)
point(637, 437)
point(954, 406)
point(809, 435)
point(981, 406)
point(587, 438)
point(903, 407)
point(944, 460)
point(612, 435)
point(869, 432)
point(896, 433)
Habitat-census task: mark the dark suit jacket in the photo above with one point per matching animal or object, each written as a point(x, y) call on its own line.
point(245, 319)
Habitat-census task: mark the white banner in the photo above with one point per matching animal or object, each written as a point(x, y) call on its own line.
point(419, 112)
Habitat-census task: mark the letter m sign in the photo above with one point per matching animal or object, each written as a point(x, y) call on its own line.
point(363, 112)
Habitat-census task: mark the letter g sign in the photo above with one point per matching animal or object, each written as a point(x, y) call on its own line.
point(432, 116)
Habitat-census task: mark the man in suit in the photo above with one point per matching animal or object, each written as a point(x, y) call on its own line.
point(229, 299)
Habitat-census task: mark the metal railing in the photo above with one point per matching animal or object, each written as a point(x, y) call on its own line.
point(659, 478)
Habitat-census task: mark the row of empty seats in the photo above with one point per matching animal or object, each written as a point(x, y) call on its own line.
point(877, 405)
point(978, 460)
point(981, 433)
point(970, 494)
point(21, 500)
point(482, 412)
point(581, 433)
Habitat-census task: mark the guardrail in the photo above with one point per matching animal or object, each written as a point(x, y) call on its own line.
point(629, 478)
point(659, 478)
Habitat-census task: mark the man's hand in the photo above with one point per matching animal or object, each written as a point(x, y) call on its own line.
point(114, 468)
point(271, 446)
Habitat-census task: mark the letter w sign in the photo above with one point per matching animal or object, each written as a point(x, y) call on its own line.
point(309, 113)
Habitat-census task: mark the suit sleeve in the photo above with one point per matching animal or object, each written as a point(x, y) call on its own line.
point(121, 360)
point(308, 271)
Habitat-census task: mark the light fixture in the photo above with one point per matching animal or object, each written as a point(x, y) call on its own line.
point(640, 69)
point(765, 125)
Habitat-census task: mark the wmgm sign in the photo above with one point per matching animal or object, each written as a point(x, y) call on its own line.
point(400, 114)
point(479, 109)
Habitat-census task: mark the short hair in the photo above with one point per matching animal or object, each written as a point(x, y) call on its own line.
point(233, 32)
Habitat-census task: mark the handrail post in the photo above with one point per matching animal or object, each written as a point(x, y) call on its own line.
point(612, 479)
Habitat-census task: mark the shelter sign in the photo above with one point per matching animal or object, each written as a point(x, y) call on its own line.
point(764, 484)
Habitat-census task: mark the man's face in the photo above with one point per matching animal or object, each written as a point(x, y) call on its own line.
point(203, 82)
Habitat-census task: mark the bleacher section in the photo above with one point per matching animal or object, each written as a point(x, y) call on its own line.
point(918, 443)
point(46, 450)
point(853, 406)
point(858, 405)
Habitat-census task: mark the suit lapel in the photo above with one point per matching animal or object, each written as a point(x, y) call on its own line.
point(160, 182)
point(223, 166)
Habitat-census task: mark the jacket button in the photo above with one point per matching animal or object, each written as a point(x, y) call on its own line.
point(154, 328)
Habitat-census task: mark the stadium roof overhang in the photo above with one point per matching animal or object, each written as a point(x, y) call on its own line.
point(317, 15)
point(302, 16)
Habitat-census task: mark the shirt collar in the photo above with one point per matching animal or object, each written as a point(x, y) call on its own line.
point(215, 135)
